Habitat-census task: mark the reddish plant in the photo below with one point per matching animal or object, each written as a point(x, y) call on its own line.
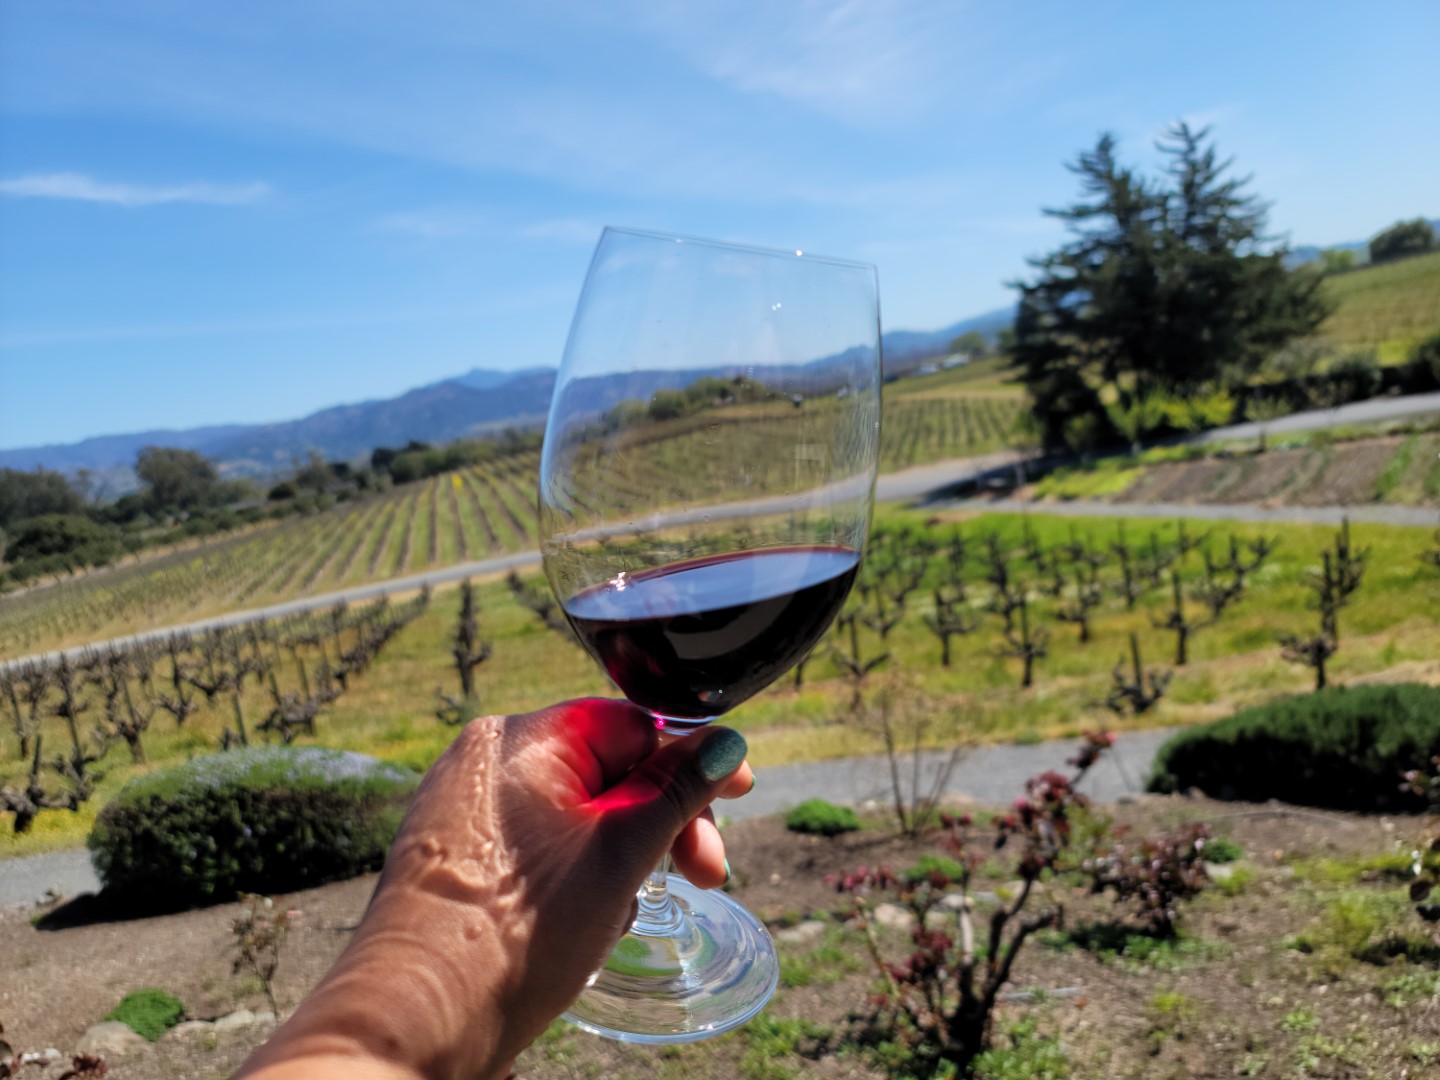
point(941, 997)
point(1154, 874)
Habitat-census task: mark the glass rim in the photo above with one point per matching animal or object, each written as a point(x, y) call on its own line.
point(729, 245)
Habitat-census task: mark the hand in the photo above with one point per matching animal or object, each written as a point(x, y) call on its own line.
point(510, 881)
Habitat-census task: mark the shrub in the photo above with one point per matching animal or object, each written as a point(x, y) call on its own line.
point(821, 818)
point(270, 819)
point(1221, 849)
point(149, 1013)
point(1342, 748)
point(1428, 354)
point(1152, 875)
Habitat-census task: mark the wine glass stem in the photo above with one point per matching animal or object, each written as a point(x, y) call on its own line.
point(658, 915)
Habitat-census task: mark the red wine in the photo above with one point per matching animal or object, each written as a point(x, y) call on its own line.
point(693, 639)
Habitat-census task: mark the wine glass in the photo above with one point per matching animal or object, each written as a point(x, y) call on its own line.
point(705, 494)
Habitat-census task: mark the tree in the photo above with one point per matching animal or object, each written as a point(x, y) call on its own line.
point(62, 535)
point(1401, 239)
point(971, 342)
point(1168, 286)
point(31, 494)
point(177, 479)
point(1337, 260)
point(1005, 339)
point(314, 474)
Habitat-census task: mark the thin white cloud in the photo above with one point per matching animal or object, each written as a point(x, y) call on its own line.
point(82, 188)
point(566, 230)
point(856, 60)
point(436, 223)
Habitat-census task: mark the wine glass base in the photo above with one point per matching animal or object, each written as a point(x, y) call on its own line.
point(712, 975)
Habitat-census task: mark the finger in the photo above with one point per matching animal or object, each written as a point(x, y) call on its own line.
point(741, 784)
point(650, 807)
point(600, 739)
point(699, 852)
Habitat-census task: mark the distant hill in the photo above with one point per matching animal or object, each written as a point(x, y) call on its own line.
point(1391, 313)
point(907, 348)
point(1309, 253)
point(479, 402)
point(439, 412)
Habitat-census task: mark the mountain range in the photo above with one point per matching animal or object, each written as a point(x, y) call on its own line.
point(478, 402)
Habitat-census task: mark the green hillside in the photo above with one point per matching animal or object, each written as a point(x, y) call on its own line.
point(1389, 307)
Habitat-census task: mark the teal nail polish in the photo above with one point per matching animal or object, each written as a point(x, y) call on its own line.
point(721, 754)
point(728, 875)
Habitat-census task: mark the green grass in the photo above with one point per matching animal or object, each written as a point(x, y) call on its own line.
point(1390, 307)
point(1105, 479)
point(389, 710)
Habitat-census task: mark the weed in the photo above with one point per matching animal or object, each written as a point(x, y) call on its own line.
point(149, 1013)
point(1410, 989)
point(260, 932)
point(1298, 1020)
point(772, 1040)
point(1028, 1056)
point(1235, 882)
point(1112, 943)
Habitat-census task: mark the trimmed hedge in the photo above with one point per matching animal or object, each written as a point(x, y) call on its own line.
point(821, 818)
point(1344, 748)
point(268, 819)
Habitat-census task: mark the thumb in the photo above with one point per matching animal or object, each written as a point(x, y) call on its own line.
point(646, 811)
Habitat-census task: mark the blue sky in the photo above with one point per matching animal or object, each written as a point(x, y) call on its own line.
point(220, 212)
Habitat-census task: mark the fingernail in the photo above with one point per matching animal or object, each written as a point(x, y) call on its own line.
point(721, 754)
point(753, 781)
point(728, 875)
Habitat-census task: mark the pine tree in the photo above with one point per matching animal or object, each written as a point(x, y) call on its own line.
point(1168, 288)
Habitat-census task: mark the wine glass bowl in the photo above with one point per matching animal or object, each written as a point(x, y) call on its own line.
point(705, 494)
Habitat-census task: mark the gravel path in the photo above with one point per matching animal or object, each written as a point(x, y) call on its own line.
point(993, 774)
point(1316, 515)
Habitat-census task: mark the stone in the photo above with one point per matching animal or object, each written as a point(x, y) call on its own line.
point(894, 917)
point(1220, 871)
point(805, 933)
point(240, 1018)
point(187, 1028)
point(110, 1037)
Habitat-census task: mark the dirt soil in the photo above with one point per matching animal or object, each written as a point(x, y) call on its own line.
point(1345, 474)
point(1231, 1000)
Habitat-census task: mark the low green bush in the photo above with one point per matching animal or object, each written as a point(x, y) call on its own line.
point(270, 819)
point(1341, 748)
point(148, 1013)
point(1219, 849)
point(821, 818)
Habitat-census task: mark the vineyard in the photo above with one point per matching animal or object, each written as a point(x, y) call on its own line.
point(269, 680)
point(447, 519)
point(1005, 626)
point(453, 518)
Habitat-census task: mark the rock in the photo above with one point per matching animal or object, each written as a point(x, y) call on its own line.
point(240, 1018)
point(189, 1028)
point(110, 1037)
point(805, 933)
point(894, 917)
point(1220, 871)
point(979, 898)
